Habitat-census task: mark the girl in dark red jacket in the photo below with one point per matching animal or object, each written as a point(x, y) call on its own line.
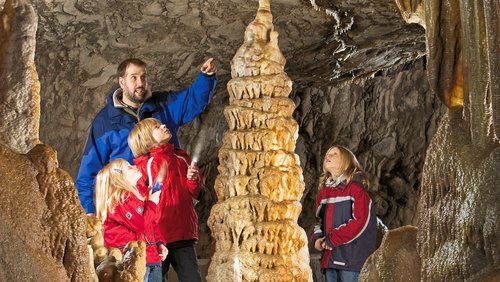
point(346, 223)
point(129, 215)
point(184, 184)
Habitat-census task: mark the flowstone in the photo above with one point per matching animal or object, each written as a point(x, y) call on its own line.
point(260, 180)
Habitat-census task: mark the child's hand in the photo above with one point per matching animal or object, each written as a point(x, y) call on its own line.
point(318, 244)
point(154, 197)
point(321, 245)
point(162, 251)
point(193, 172)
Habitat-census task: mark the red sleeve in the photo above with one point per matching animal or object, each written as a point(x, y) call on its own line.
point(135, 214)
point(159, 237)
point(353, 228)
point(195, 186)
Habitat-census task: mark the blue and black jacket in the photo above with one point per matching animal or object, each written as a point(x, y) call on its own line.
point(110, 129)
point(346, 218)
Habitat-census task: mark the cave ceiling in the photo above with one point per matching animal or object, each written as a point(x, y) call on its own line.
point(323, 41)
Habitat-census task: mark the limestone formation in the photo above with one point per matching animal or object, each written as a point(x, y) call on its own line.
point(458, 209)
point(396, 259)
point(412, 11)
point(131, 268)
point(458, 225)
point(260, 181)
point(19, 85)
point(41, 220)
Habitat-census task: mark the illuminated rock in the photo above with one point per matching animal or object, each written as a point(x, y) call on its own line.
point(260, 180)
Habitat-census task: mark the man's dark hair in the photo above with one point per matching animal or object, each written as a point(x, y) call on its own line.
point(122, 67)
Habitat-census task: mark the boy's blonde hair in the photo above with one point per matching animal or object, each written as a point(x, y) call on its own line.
point(140, 138)
point(111, 188)
point(350, 167)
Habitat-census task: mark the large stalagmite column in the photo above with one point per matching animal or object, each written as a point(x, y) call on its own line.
point(260, 180)
point(19, 85)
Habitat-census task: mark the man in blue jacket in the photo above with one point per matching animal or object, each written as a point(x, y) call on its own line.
point(129, 104)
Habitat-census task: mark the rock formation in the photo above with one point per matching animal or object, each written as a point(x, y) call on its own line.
point(396, 259)
point(458, 208)
point(359, 78)
point(41, 220)
point(260, 180)
point(19, 85)
point(457, 214)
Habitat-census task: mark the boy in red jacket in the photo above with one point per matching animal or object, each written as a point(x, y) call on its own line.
point(178, 221)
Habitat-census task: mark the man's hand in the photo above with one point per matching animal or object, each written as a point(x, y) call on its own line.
point(162, 251)
point(209, 67)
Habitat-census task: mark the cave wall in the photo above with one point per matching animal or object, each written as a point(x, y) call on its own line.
point(42, 225)
point(387, 121)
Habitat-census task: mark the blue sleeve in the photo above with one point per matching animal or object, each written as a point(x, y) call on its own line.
point(95, 155)
point(187, 104)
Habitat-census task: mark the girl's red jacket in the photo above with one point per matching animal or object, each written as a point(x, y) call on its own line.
point(134, 220)
point(178, 220)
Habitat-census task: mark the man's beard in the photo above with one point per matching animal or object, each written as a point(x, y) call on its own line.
point(136, 99)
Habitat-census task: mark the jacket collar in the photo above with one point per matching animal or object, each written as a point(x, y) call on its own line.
point(167, 149)
point(115, 108)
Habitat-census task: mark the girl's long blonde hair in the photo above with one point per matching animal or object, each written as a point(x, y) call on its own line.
point(140, 138)
point(350, 168)
point(111, 188)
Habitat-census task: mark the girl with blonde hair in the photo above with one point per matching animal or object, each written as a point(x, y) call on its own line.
point(178, 222)
point(345, 230)
point(129, 214)
point(348, 165)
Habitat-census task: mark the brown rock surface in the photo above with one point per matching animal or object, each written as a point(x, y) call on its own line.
point(39, 212)
point(458, 225)
point(459, 231)
point(19, 85)
point(396, 259)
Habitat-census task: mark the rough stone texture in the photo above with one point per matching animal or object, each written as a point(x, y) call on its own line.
point(396, 259)
point(39, 212)
point(260, 181)
point(458, 211)
point(458, 236)
point(412, 11)
point(19, 85)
